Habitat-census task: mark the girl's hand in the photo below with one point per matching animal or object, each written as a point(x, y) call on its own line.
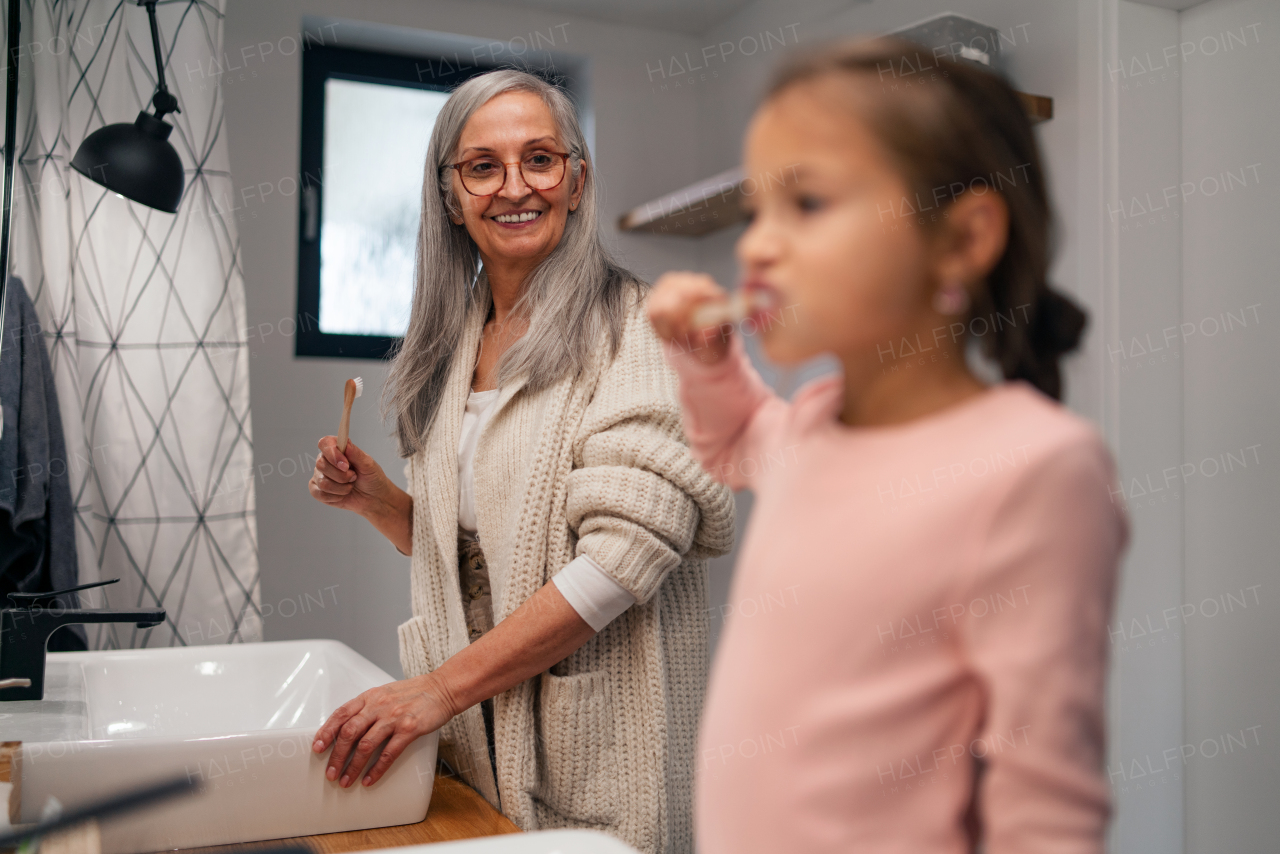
point(352, 481)
point(672, 303)
point(395, 713)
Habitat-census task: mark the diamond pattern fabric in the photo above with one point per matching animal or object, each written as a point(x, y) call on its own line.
point(144, 318)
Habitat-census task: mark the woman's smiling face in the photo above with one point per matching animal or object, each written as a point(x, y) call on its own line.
point(509, 128)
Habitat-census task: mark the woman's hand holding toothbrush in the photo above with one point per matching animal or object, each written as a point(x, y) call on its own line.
point(347, 477)
point(354, 481)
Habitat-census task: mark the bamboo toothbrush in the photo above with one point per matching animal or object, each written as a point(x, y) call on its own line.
point(351, 391)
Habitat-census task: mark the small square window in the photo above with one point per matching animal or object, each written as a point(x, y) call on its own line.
point(366, 122)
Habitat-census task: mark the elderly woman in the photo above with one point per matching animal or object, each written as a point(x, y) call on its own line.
point(558, 526)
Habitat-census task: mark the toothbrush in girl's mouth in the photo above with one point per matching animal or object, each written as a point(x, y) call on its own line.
point(737, 308)
point(350, 392)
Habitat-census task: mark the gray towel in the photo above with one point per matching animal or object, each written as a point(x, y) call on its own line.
point(37, 519)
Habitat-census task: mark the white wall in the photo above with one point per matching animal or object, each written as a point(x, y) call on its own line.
point(1147, 664)
point(303, 546)
point(1230, 255)
point(1193, 693)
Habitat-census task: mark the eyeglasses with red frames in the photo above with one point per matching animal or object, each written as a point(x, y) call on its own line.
point(485, 175)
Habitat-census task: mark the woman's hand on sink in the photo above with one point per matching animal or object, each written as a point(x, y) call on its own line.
point(395, 713)
point(544, 630)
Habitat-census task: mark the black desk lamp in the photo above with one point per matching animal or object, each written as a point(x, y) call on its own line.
point(136, 160)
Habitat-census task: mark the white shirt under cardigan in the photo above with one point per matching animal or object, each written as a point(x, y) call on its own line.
point(584, 584)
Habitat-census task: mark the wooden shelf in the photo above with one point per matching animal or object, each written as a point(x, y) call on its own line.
point(701, 208)
point(713, 203)
point(1039, 107)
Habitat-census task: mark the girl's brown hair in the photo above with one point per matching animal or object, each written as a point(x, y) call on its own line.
point(953, 128)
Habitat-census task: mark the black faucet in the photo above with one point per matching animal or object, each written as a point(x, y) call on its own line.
point(25, 629)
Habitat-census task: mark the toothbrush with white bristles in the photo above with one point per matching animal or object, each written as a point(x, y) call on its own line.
point(734, 310)
point(351, 391)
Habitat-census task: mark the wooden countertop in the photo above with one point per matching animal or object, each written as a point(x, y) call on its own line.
point(457, 812)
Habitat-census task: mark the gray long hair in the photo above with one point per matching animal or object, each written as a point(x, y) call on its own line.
point(575, 300)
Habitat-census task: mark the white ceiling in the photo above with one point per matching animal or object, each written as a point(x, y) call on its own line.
point(692, 17)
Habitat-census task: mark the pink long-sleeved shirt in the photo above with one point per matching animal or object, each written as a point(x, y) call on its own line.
point(916, 644)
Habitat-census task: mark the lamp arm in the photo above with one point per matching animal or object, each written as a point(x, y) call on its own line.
point(163, 101)
point(10, 143)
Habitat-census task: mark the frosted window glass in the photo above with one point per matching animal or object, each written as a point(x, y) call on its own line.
point(375, 143)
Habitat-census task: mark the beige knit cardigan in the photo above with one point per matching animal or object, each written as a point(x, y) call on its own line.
point(595, 464)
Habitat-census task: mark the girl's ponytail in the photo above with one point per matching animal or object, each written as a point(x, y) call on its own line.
point(1056, 326)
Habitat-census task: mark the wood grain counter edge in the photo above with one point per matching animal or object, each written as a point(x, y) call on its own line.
point(457, 811)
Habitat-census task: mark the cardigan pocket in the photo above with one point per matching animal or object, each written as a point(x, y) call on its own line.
point(577, 767)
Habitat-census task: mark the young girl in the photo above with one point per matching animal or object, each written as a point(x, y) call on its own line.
point(917, 656)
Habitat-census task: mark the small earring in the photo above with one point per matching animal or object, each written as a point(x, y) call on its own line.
point(951, 298)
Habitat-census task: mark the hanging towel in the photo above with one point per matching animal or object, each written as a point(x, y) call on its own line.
point(37, 519)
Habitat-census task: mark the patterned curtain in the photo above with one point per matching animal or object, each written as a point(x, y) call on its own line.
point(143, 315)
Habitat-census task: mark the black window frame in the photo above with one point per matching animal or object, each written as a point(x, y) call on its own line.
point(321, 63)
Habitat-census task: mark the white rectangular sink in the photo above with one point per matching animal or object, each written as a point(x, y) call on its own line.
point(240, 718)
